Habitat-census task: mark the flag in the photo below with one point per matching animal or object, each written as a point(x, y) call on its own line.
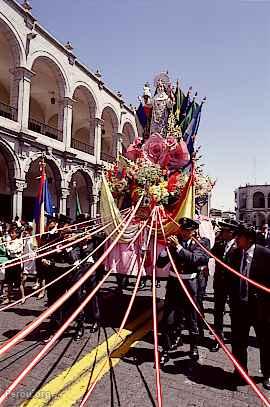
point(191, 110)
point(192, 129)
point(184, 208)
point(43, 204)
point(179, 97)
point(142, 117)
point(78, 205)
point(185, 104)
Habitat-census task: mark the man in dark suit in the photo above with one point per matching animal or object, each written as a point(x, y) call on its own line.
point(263, 237)
point(188, 257)
point(223, 249)
point(251, 305)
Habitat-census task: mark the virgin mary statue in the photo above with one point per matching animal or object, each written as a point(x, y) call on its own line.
point(162, 103)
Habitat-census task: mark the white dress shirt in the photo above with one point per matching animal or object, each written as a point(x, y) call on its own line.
point(228, 247)
point(245, 270)
point(250, 254)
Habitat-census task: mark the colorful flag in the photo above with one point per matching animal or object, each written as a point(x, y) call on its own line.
point(191, 110)
point(192, 129)
point(43, 204)
point(142, 117)
point(179, 97)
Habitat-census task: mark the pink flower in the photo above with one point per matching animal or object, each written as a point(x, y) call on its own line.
point(154, 147)
point(175, 157)
point(134, 151)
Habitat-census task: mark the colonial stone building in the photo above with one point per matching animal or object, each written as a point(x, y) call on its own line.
point(53, 106)
point(253, 204)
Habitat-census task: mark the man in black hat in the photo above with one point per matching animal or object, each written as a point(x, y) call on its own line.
point(48, 238)
point(56, 264)
point(251, 305)
point(223, 250)
point(92, 309)
point(188, 257)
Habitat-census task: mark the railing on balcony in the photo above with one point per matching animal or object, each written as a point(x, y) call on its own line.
point(79, 145)
point(43, 128)
point(107, 157)
point(8, 112)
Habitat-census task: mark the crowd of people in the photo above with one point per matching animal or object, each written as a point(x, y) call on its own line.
point(239, 246)
point(42, 259)
point(246, 251)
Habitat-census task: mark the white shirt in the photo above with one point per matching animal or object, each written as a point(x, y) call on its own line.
point(250, 254)
point(228, 247)
point(179, 247)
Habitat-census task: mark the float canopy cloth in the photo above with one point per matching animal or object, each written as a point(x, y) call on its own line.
point(109, 210)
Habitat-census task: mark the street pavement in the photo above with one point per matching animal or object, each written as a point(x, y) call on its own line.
point(128, 377)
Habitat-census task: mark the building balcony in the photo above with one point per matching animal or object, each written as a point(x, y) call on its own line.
point(107, 157)
point(8, 112)
point(43, 128)
point(79, 145)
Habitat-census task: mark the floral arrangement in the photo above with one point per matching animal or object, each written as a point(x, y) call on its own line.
point(135, 177)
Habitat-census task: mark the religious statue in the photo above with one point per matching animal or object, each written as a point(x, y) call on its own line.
point(162, 103)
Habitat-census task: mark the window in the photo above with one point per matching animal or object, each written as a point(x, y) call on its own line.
point(258, 200)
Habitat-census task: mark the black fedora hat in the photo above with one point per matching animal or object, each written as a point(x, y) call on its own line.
point(247, 231)
point(189, 224)
point(229, 224)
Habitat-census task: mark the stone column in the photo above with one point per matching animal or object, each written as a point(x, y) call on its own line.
point(17, 195)
point(20, 94)
point(67, 121)
point(98, 128)
point(94, 202)
point(63, 200)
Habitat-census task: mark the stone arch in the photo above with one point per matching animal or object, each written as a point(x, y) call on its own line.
point(91, 91)
point(47, 56)
point(11, 57)
point(32, 174)
point(128, 135)
point(85, 171)
point(81, 187)
point(13, 161)
point(83, 120)
point(17, 46)
point(258, 200)
point(48, 89)
point(10, 172)
point(109, 134)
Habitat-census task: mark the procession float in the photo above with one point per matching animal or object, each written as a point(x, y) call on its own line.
point(161, 168)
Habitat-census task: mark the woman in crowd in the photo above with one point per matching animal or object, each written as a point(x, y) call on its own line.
point(14, 251)
point(29, 267)
point(3, 260)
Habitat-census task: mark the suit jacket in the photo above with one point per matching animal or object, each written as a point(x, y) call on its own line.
point(219, 251)
point(262, 240)
point(187, 260)
point(259, 272)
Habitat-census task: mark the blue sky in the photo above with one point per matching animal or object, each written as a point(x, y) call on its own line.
point(221, 48)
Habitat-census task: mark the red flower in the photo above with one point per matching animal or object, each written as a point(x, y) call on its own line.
point(154, 147)
point(175, 157)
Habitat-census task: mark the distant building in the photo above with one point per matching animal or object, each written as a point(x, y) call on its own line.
point(253, 204)
point(228, 215)
point(215, 213)
point(218, 214)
